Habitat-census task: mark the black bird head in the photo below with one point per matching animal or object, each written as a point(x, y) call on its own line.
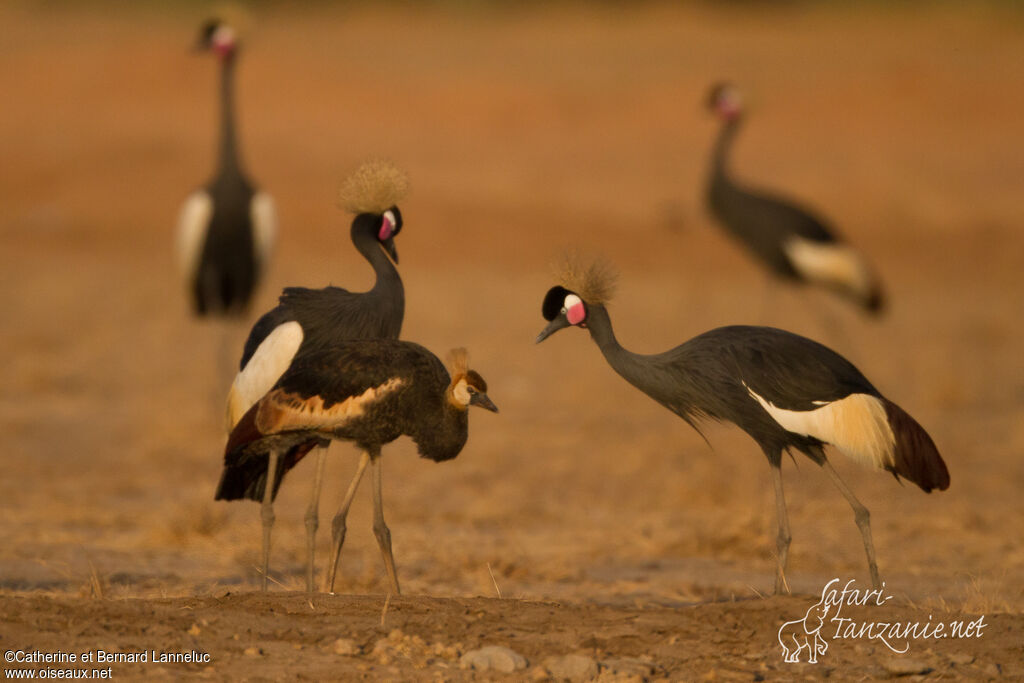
point(390, 225)
point(562, 307)
point(725, 101)
point(218, 37)
point(381, 228)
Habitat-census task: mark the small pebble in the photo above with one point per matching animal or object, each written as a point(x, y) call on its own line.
point(493, 658)
point(346, 647)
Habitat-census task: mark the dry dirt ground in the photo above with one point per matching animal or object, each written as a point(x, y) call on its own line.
point(583, 519)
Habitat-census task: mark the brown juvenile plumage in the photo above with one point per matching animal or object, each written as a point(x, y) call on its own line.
point(374, 188)
point(593, 281)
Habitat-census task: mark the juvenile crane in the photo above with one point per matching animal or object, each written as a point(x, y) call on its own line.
point(369, 392)
point(226, 228)
point(788, 239)
point(309, 319)
point(787, 392)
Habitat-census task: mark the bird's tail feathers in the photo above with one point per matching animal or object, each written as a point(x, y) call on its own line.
point(246, 478)
point(915, 456)
point(245, 464)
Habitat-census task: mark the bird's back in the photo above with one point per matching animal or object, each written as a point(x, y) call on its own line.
point(712, 375)
point(394, 388)
point(329, 315)
point(764, 222)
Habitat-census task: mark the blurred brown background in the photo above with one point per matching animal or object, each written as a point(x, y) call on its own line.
point(524, 130)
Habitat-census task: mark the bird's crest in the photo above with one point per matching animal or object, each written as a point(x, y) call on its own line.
point(458, 362)
point(235, 15)
point(374, 187)
point(592, 279)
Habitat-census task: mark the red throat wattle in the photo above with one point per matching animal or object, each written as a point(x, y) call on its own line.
point(385, 229)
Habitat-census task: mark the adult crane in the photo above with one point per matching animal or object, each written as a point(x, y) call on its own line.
point(369, 392)
point(787, 392)
point(790, 240)
point(227, 227)
point(309, 319)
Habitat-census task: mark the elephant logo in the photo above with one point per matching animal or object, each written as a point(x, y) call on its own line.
point(805, 634)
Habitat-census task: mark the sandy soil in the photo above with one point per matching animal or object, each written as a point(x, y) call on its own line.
point(609, 528)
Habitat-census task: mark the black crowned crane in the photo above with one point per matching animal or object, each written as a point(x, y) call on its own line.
point(787, 392)
point(227, 227)
point(788, 239)
point(306, 320)
point(369, 392)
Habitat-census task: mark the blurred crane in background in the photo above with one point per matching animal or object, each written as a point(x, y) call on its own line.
point(789, 240)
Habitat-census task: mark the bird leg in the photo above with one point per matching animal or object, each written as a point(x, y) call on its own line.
point(863, 519)
point(380, 529)
point(312, 516)
point(267, 513)
point(338, 523)
point(784, 537)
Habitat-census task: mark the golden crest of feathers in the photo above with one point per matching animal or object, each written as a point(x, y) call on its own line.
point(235, 15)
point(374, 187)
point(458, 361)
point(593, 280)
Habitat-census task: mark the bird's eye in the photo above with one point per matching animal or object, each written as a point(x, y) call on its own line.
point(471, 390)
point(564, 309)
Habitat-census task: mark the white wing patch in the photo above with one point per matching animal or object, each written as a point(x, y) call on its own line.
point(193, 223)
point(857, 425)
point(260, 374)
point(281, 411)
point(828, 263)
point(263, 213)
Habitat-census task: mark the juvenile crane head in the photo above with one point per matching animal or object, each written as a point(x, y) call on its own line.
point(725, 101)
point(582, 286)
point(372, 193)
point(467, 387)
point(219, 37)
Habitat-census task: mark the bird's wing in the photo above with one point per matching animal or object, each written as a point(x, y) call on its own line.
point(767, 209)
point(193, 223)
point(263, 214)
point(314, 298)
point(789, 371)
point(263, 366)
point(324, 388)
point(280, 411)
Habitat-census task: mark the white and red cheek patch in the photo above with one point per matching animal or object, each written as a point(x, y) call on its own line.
point(223, 41)
point(387, 226)
point(728, 105)
point(575, 311)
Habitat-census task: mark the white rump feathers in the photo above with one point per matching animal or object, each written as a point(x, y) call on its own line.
point(856, 425)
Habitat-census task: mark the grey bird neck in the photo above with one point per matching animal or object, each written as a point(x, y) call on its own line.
point(723, 147)
point(228, 161)
point(600, 325)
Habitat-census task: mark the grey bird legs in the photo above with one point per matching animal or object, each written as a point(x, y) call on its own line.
point(784, 537)
point(267, 514)
point(312, 516)
point(380, 529)
point(863, 519)
point(338, 524)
